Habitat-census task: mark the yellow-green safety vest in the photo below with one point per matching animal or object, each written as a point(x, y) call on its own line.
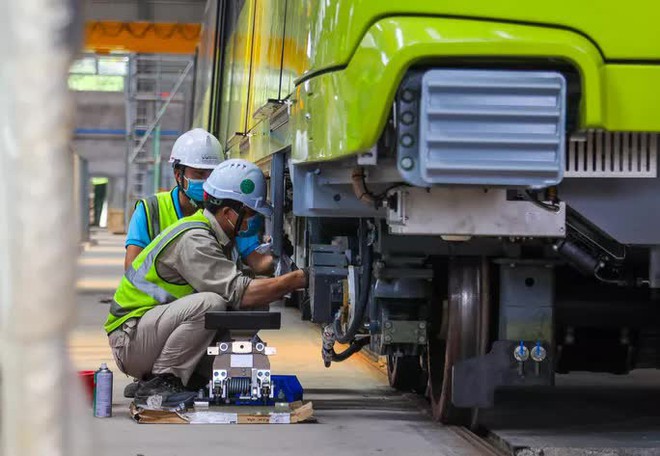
point(160, 212)
point(141, 288)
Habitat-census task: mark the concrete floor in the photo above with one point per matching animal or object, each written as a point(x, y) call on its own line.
point(357, 412)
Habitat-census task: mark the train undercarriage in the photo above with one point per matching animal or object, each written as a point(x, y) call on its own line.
point(472, 277)
point(455, 324)
point(472, 186)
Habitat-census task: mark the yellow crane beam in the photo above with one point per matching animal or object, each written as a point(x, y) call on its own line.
point(103, 37)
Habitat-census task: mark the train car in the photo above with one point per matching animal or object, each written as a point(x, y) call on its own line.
point(473, 185)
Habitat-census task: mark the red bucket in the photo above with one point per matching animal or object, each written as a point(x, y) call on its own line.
point(87, 378)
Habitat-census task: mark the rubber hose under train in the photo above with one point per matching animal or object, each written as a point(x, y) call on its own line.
point(589, 264)
point(582, 260)
point(351, 350)
point(363, 297)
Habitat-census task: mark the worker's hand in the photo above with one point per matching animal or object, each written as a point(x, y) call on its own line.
point(305, 271)
point(302, 278)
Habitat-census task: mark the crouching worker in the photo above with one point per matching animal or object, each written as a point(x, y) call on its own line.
point(156, 321)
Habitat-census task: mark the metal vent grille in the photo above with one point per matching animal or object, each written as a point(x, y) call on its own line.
point(598, 153)
point(488, 127)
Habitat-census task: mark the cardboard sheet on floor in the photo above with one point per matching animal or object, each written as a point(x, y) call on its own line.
point(299, 412)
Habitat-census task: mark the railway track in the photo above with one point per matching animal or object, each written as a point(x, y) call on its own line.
point(484, 445)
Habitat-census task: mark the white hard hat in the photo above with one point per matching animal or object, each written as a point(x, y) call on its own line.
point(242, 181)
point(196, 148)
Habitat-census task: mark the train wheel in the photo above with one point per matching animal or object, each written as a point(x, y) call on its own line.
point(459, 336)
point(405, 373)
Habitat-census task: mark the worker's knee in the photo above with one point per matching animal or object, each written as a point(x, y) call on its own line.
point(213, 301)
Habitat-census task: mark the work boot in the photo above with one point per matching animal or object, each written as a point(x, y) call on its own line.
point(168, 387)
point(131, 388)
point(197, 381)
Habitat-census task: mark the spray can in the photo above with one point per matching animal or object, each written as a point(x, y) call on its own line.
point(103, 392)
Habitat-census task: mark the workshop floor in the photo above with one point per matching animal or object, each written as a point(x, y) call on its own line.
point(357, 412)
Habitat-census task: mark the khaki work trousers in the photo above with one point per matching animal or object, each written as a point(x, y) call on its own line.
point(168, 339)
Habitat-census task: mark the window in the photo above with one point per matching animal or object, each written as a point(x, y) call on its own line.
point(98, 73)
point(86, 65)
point(115, 66)
point(96, 83)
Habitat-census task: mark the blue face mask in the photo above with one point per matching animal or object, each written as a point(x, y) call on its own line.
point(254, 226)
point(246, 245)
point(195, 190)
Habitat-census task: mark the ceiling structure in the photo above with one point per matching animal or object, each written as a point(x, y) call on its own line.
point(180, 11)
point(143, 26)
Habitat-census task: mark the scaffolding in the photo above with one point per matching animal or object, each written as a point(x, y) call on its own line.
point(153, 84)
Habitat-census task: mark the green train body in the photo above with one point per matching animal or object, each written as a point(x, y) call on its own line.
point(286, 49)
point(470, 142)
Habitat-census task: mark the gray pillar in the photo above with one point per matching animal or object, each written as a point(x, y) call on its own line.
point(39, 391)
point(81, 195)
point(116, 192)
point(116, 213)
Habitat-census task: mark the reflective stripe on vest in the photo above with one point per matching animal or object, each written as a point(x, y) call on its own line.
point(137, 278)
point(160, 211)
point(141, 288)
point(153, 216)
point(118, 311)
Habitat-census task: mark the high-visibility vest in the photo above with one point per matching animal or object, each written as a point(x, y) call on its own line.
point(160, 211)
point(141, 288)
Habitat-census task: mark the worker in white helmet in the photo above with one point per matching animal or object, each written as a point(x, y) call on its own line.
point(156, 321)
point(194, 155)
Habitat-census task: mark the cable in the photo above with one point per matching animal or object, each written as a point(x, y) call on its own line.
point(363, 298)
point(362, 192)
point(351, 350)
point(360, 186)
point(598, 276)
point(529, 196)
point(382, 195)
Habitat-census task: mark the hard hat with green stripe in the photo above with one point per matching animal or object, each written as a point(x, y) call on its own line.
point(241, 181)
